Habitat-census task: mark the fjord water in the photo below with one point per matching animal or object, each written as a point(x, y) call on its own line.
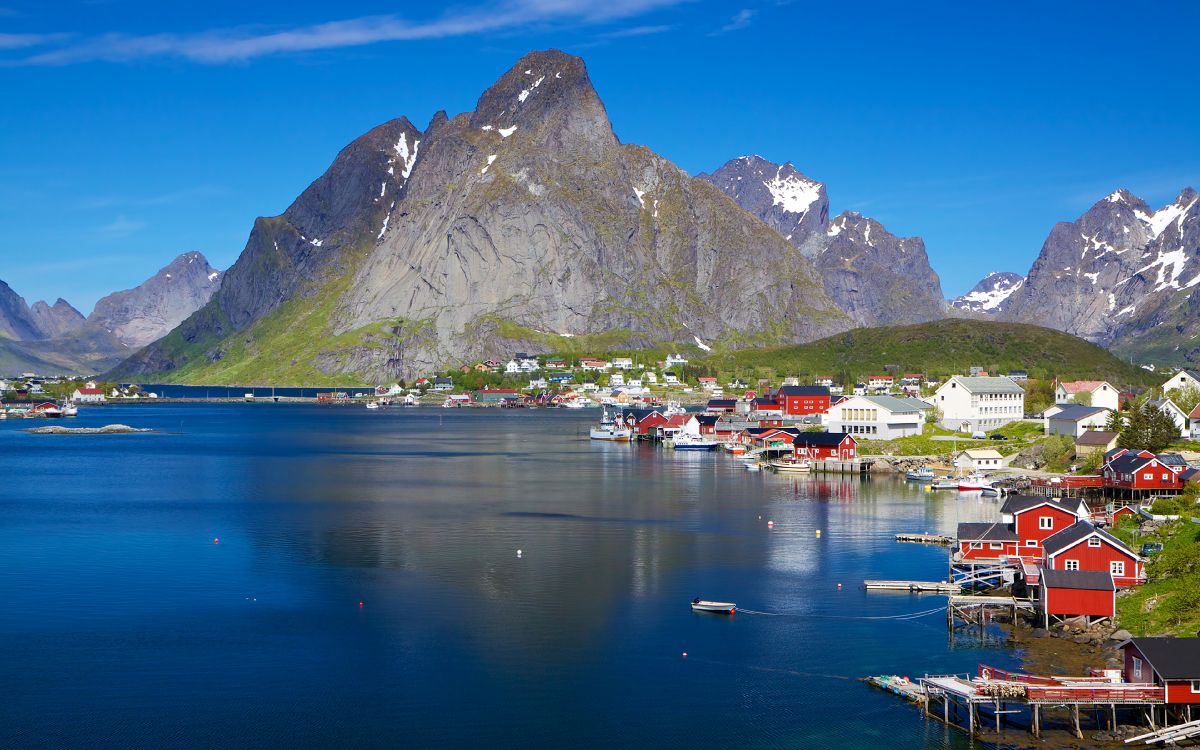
point(126, 623)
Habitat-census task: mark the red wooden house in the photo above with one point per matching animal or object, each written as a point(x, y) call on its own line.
point(1077, 593)
point(802, 400)
point(1173, 663)
point(1125, 511)
point(766, 406)
point(721, 405)
point(1034, 519)
point(987, 541)
point(1082, 546)
point(1140, 470)
point(825, 446)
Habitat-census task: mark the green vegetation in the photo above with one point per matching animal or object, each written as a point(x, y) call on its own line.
point(1147, 426)
point(940, 348)
point(937, 441)
point(1169, 603)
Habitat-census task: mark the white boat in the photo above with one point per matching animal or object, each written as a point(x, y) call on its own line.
point(790, 466)
point(973, 483)
point(756, 466)
point(673, 408)
point(923, 474)
point(703, 605)
point(608, 429)
point(579, 402)
point(372, 404)
point(70, 410)
point(687, 442)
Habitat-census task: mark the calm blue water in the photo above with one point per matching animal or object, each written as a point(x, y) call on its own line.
point(124, 625)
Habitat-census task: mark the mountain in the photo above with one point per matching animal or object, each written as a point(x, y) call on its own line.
point(990, 294)
point(1122, 275)
point(941, 348)
point(872, 275)
point(522, 224)
point(152, 309)
point(56, 339)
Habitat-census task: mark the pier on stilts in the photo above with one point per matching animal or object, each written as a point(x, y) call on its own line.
point(996, 697)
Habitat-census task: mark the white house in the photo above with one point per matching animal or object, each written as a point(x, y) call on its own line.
point(979, 403)
point(1177, 415)
point(650, 377)
point(1099, 392)
point(675, 359)
point(443, 384)
point(536, 384)
point(617, 378)
point(622, 363)
point(1182, 379)
point(670, 378)
point(1194, 422)
point(880, 417)
point(1076, 419)
point(978, 459)
point(512, 366)
point(89, 394)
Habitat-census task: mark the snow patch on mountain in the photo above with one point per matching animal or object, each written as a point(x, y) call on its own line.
point(989, 294)
point(796, 194)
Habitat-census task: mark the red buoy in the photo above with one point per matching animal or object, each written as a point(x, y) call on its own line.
point(360, 605)
point(216, 540)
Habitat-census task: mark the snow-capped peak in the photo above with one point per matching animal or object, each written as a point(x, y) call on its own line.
point(990, 293)
point(1165, 217)
point(795, 193)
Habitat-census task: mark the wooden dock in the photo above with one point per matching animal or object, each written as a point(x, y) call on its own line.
point(857, 466)
point(916, 587)
point(941, 539)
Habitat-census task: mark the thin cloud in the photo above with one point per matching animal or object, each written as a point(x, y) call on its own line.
point(740, 21)
point(635, 31)
point(121, 227)
point(162, 199)
point(239, 44)
point(27, 41)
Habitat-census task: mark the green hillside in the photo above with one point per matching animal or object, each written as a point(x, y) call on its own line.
point(943, 347)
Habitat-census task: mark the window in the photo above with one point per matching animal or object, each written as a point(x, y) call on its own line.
point(1117, 567)
point(1196, 686)
point(1030, 542)
point(1046, 522)
point(996, 545)
point(1137, 668)
point(1071, 565)
point(1094, 541)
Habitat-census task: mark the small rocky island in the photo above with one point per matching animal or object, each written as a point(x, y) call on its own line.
point(108, 429)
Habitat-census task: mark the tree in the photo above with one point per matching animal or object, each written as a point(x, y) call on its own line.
point(1185, 398)
point(1148, 427)
point(1115, 422)
point(1083, 398)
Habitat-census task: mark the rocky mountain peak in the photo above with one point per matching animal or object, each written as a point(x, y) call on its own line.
point(990, 294)
point(547, 96)
point(792, 204)
point(146, 313)
point(56, 320)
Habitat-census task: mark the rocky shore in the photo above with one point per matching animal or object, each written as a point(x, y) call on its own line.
point(109, 429)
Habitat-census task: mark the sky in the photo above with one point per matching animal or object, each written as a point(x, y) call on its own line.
point(133, 131)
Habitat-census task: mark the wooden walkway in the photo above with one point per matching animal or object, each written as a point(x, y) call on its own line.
point(925, 538)
point(935, 587)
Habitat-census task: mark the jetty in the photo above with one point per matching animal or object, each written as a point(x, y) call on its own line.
point(941, 539)
point(916, 587)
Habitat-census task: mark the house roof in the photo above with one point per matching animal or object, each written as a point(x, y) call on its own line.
point(890, 403)
point(707, 419)
point(1020, 503)
point(980, 384)
point(978, 453)
point(1171, 459)
point(722, 402)
point(1087, 580)
point(1172, 658)
point(1096, 437)
point(1076, 532)
point(803, 390)
point(1128, 463)
point(1195, 413)
point(820, 439)
point(986, 532)
point(1082, 386)
point(91, 391)
point(1078, 412)
point(918, 404)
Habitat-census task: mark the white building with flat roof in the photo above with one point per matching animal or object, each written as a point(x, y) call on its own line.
point(876, 417)
point(974, 404)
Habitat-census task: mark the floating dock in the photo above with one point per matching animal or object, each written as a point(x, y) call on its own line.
point(926, 538)
point(935, 587)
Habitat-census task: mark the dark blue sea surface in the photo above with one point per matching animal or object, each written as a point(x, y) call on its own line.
point(366, 590)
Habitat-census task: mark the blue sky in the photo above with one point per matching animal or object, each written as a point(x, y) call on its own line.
point(133, 131)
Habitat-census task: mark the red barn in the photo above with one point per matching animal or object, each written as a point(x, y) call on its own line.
point(1173, 663)
point(802, 400)
point(1034, 519)
point(1082, 546)
point(825, 446)
point(1077, 593)
point(986, 541)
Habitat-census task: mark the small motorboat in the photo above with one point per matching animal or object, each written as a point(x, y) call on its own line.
point(688, 442)
point(703, 605)
point(70, 410)
point(790, 466)
point(372, 404)
point(755, 466)
point(923, 474)
point(973, 483)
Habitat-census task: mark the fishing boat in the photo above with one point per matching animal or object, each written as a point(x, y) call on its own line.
point(687, 442)
point(923, 474)
point(944, 483)
point(735, 448)
point(673, 408)
point(973, 483)
point(70, 410)
point(608, 429)
point(790, 466)
point(703, 605)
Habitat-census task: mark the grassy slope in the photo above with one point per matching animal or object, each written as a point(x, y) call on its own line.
point(942, 347)
point(1169, 604)
point(1020, 436)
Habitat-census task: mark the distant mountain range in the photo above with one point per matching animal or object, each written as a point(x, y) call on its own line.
point(58, 339)
point(526, 224)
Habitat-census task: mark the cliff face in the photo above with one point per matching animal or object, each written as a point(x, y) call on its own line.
point(872, 275)
point(990, 294)
point(525, 222)
point(1122, 275)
